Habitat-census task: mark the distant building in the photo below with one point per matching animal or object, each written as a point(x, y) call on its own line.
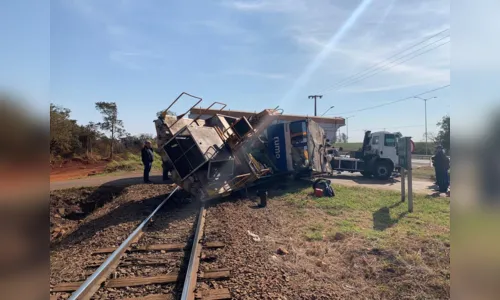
point(330, 125)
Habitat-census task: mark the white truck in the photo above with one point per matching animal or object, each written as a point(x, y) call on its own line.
point(378, 157)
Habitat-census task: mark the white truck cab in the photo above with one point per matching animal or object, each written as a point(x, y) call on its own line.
point(377, 157)
point(384, 145)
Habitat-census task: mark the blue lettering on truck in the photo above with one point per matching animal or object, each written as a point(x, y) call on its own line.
point(276, 146)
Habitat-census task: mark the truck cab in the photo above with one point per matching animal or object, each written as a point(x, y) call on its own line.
point(377, 157)
point(383, 144)
point(379, 153)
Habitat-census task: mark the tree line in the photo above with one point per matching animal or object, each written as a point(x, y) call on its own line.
point(95, 139)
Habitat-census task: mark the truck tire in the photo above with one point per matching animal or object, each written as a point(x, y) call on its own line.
point(366, 174)
point(383, 170)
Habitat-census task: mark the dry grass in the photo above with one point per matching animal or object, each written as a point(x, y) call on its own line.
point(373, 244)
point(131, 162)
point(425, 172)
point(361, 244)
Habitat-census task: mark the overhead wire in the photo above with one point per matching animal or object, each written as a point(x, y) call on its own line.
point(392, 56)
point(381, 70)
point(393, 102)
point(393, 127)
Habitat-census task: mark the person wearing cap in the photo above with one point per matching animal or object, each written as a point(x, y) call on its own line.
point(147, 160)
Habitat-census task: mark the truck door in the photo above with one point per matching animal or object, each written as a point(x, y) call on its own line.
point(388, 147)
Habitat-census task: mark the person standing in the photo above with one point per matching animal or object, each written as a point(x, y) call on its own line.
point(441, 166)
point(147, 160)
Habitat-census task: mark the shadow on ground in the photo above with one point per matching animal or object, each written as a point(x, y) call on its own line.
point(363, 180)
point(275, 187)
point(382, 218)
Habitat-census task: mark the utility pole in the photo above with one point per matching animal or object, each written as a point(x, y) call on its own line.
point(314, 97)
point(425, 107)
point(347, 127)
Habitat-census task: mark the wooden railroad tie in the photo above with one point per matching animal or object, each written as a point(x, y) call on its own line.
point(159, 247)
point(138, 281)
point(216, 294)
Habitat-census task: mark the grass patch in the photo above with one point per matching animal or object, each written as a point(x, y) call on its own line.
point(314, 236)
point(367, 236)
point(376, 214)
point(426, 172)
point(315, 232)
point(131, 162)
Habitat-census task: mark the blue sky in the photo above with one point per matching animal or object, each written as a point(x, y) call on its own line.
point(249, 54)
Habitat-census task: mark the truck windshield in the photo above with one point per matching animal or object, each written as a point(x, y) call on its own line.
point(390, 140)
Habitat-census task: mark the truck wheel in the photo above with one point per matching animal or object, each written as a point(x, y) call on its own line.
point(366, 174)
point(383, 170)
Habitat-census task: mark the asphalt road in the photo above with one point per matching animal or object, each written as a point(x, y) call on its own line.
point(421, 162)
point(349, 179)
point(98, 180)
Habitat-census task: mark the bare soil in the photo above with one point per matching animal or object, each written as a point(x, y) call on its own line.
point(76, 168)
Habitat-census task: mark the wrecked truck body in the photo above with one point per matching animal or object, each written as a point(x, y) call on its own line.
point(213, 157)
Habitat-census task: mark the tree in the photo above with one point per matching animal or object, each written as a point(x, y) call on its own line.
point(343, 138)
point(90, 135)
point(63, 131)
point(430, 137)
point(443, 136)
point(170, 113)
point(111, 123)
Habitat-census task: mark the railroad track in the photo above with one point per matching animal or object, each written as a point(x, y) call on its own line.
point(105, 276)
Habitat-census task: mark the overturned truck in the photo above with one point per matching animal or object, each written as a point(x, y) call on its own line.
point(213, 157)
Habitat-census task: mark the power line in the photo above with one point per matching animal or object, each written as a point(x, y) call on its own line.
point(393, 102)
point(389, 67)
point(394, 127)
point(392, 56)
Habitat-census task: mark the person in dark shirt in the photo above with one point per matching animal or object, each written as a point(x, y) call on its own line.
point(441, 166)
point(147, 160)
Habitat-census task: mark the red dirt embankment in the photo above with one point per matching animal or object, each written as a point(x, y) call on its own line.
point(76, 168)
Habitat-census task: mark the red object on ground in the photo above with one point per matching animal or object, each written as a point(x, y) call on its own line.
point(318, 192)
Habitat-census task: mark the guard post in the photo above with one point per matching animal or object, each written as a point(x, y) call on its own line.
point(405, 148)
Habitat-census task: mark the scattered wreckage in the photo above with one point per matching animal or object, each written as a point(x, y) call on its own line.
point(215, 156)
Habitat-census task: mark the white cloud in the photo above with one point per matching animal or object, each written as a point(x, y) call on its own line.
point(265, 5)
point(138, 60)
point(475, 32)
point(127, 47)
point(386, 27)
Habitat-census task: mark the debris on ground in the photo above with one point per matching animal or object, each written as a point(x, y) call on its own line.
point(322, 188)
point(255, 237)
point(339, 236)
point(282, 251)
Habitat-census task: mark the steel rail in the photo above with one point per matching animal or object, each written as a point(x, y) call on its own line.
point(194, 260)
point(92, 284)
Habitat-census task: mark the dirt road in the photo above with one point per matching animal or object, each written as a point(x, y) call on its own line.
point(419, 186)
point(111, 180)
